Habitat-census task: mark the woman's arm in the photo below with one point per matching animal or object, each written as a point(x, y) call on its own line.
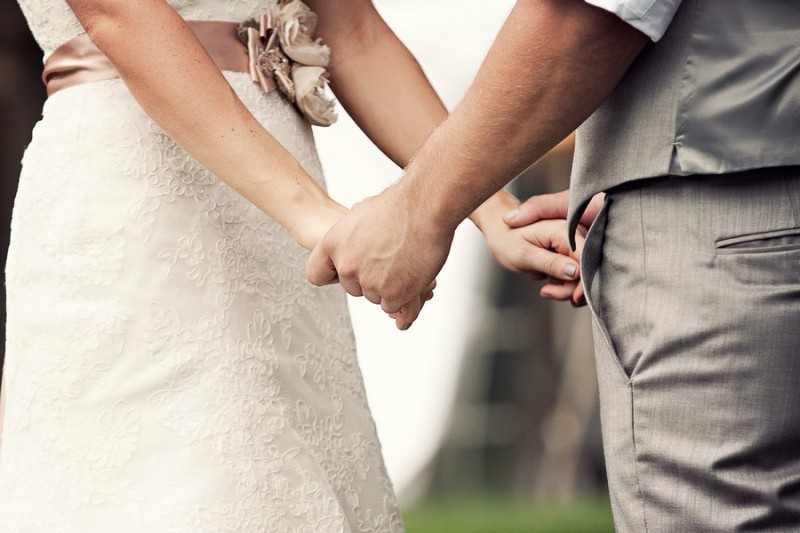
point(172, 77)
point(376, 78)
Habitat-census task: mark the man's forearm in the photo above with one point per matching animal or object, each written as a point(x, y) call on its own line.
point(553, 63)
point(551, 66)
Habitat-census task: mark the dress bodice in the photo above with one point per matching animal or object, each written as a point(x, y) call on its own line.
point(53, 23)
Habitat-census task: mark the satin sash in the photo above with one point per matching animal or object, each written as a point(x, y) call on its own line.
point(80, 61)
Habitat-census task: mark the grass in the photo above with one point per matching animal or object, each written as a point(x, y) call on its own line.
point(492, 514)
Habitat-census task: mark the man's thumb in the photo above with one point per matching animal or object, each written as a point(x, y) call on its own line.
point(320, 269)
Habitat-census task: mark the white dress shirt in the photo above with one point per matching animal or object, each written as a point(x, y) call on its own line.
point(651, 17)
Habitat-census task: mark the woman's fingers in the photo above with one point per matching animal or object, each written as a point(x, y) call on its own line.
point(409, 312)
point(559, 290)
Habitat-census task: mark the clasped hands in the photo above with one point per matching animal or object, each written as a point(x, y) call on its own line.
point(390, 251)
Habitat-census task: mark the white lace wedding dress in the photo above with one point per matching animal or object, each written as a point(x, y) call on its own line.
point(168, 368)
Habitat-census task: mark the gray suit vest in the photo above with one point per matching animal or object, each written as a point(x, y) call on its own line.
point(719, 93)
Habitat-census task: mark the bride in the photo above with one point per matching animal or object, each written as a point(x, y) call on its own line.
point(168, 368)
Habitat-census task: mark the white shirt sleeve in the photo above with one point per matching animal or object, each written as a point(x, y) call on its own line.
point(651, 17)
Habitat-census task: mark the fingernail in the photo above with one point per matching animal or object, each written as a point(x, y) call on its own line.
point(511, 215)
point(581, 301)
point(570, 270)
point(407, 326)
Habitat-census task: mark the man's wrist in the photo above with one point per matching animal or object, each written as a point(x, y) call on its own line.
point(431, 208)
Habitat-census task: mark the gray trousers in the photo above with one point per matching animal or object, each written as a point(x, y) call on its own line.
point(694, 286)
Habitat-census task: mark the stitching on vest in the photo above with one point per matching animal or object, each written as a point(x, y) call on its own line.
point(683, 107)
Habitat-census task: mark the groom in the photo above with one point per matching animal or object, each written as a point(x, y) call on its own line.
point(692, 267)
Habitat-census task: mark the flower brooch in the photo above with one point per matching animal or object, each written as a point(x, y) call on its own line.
point(281, 47)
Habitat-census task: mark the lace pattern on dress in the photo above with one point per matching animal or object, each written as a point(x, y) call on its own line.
point(169, 368)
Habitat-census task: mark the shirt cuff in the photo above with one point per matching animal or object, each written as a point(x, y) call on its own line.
point(651, 17)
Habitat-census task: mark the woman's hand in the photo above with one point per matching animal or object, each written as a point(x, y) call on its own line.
point(540, 249)
point(551, 206)
point(409, 312)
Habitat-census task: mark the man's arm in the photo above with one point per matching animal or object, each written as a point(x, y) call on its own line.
point(552, 64)
point(384, 89)
point(378, 81)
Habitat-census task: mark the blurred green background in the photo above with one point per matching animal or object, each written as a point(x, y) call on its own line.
point(499, 514)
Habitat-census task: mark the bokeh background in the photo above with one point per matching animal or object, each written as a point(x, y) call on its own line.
point(487, 406)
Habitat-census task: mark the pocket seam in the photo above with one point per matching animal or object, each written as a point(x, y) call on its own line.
point(729, 245)
point(602, 330)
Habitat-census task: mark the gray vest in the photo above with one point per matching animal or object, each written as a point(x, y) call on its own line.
point(719, 93)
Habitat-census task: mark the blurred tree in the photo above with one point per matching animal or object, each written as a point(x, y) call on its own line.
point(21, 98)
point(526, 415)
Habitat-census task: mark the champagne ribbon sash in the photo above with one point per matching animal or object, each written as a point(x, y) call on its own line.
point(80, 61)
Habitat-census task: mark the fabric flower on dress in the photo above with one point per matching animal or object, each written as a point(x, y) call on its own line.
point(296, 25)
point(282, 49)
point(309, 84)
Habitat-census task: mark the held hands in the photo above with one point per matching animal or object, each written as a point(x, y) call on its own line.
point(310, 226)
point(390, 253)
point(540, 249)
point(551, 207)
point(387, 252)
point(543, 218)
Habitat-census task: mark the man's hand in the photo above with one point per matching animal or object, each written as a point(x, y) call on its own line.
point(385, 250)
